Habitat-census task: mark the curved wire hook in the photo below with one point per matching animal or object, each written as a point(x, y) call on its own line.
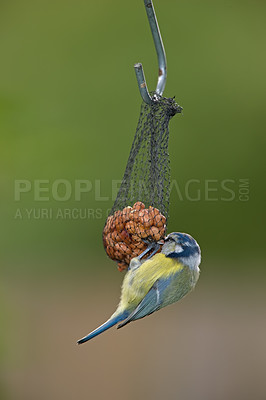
point(160, 55)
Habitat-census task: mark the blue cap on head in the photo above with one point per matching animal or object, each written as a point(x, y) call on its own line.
point(182, 238)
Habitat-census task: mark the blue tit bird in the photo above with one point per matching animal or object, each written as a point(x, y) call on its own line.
point(155, 283)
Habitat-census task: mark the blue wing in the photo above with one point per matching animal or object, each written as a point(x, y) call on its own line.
point(150, 303)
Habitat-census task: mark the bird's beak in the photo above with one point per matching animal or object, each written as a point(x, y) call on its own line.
point(160, 241)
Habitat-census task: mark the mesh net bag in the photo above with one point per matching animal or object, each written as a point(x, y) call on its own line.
point(140, 211)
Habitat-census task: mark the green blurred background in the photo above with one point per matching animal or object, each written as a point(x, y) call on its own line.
point(69, 106)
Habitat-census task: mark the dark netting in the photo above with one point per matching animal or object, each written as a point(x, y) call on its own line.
point(140, 211)
point(147, 174)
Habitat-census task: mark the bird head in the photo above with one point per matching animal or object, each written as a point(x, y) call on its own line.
point(182, 246)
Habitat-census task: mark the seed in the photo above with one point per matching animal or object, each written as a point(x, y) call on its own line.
point(140, 245)
point(125, 214)
point(130, 227)
point(139, 205)
point(146, 220)
point(154, 233)
point(119, 226)
point(118, 255)
point(136, 238)
point(141, 231)
point(158, 220)
point(115, 236)
point(163, 219)
point(110, 251)
point(122, 266)
point(109, 240)
point(156, 211)
point(124, 236)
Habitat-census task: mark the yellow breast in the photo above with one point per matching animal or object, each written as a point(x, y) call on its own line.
point(138, 282)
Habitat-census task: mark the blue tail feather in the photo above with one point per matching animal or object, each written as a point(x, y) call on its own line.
point(108, 324)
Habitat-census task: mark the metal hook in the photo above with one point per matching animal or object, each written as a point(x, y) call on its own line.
point(160, 55)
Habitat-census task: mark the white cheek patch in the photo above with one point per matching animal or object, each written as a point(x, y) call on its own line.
point(178, 249)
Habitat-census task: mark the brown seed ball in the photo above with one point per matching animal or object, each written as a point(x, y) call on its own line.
point(124, 231)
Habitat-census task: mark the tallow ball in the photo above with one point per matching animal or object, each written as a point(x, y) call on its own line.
point(125, 231)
